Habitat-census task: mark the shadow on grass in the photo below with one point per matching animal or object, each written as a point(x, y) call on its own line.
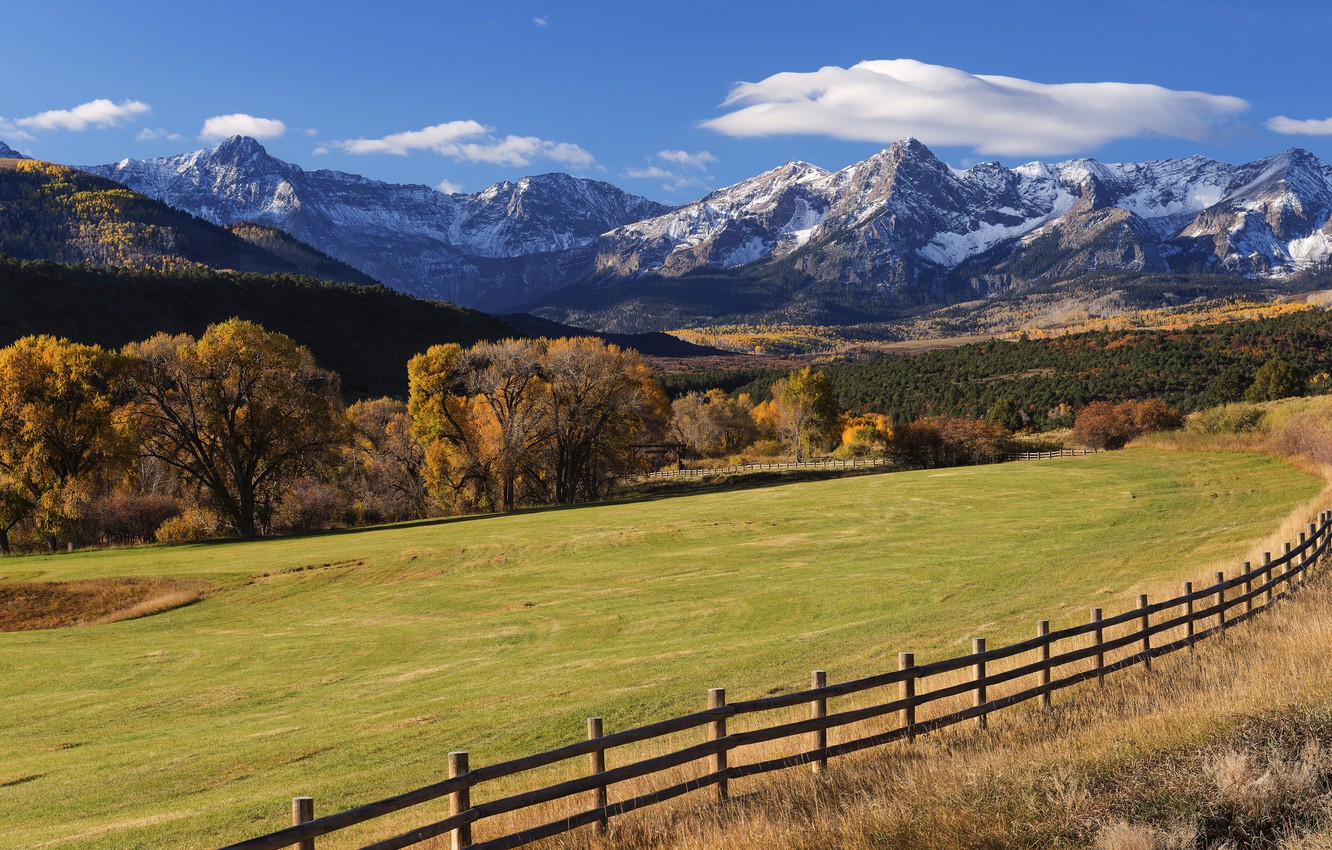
point(647, 492)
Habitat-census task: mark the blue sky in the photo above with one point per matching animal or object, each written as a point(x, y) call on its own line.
point(465, 94)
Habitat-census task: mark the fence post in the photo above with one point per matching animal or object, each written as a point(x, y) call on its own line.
point(907, 690)
point(302, 811)
point(717, 731)
point(1098, 637)
point(1285, 570)
point(1267, 577)
point(460, 801)
point(1305, 558)
point(817, 711)
point(980, 697)
point(596, 763)
point(1220, 600)
point(1188, 614)
point(1248, 587)
point(1043, 630)
point(1146, 638)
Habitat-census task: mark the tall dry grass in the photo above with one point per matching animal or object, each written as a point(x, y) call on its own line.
point(26, 606)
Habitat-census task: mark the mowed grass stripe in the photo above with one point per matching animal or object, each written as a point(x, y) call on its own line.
point(363, 657)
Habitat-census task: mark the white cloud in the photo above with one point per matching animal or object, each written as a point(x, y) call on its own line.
point(701, 160)
point(471, 141)
point(240, 124)
point(100, 113)
point(10, 130)
point(672, 181)
point(542, 21)
point(158, 135)
point(311, 132)
point(1300, 126)
point(322, 150)
point(448, 187)
point(885, 100)
point(652, 172)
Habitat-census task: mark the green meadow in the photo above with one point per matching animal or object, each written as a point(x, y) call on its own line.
point(345, 665)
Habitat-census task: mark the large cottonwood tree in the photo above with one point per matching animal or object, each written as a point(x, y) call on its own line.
point(241, 412)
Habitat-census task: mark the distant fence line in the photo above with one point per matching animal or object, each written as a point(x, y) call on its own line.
point(834, 463)
point(1198, 614)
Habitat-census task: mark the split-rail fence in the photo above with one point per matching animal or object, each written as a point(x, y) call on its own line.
point(1062, 658)
point(833, 463)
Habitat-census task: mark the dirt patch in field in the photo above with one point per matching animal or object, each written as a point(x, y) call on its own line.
point(29, 605)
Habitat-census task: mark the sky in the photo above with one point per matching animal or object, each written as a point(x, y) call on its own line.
point(667, 100)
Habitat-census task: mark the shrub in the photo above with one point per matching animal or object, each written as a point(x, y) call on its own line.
point(191, 526)
point(310, 505)
point(1104, 425)
point(1308, 434)
point(936, 441)
point(1227, 419)
point(122, 519)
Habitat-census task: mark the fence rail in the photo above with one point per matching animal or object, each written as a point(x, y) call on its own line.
point(1199, 613)
point(833, 463)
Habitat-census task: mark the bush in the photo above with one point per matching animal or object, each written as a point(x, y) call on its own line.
point(311, 505)
point(122, 519)
point(190, 527)
point(936, 441)
point(1104, 425)
point(766, 449)
point(1227, 419)
point(1307, 434)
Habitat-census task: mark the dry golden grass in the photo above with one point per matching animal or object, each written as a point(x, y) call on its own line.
point(26, 606)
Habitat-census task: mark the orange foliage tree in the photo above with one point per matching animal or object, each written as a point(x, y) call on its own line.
point(1106, 425)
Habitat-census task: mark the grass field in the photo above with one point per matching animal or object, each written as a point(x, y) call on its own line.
point(345, 665)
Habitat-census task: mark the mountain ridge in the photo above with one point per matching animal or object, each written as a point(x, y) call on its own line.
point(900, 231)
point(512, 241)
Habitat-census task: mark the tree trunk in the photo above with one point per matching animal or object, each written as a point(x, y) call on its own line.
point(245, 511)
point(4, 541)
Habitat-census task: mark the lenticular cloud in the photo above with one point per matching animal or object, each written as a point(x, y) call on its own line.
point(888, 99)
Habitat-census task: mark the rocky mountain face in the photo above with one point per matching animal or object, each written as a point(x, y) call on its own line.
point(509, 243)
point(6, 152)
point(902, 228)
point(904, 222)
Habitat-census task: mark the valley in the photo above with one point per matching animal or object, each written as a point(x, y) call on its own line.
point(342, 665)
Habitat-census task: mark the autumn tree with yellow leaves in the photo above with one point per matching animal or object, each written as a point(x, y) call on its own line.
point(63, 431)
point(530, 421)
point(240, 412)
point(385, 464)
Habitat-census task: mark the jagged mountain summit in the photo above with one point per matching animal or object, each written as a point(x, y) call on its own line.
point(899, 231)
point(902, 231)
point(903, 218)
point(6, 152)
point(509, 243)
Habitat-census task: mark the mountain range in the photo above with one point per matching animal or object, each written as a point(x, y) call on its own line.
point(898, 232)
point(506, 245)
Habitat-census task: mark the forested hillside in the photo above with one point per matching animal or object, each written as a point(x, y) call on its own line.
point(365, 333)
point(1043, 382)
point(51, 212)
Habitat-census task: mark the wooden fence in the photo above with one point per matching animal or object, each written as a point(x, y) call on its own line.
point(1062, 658)
point(833, 463)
